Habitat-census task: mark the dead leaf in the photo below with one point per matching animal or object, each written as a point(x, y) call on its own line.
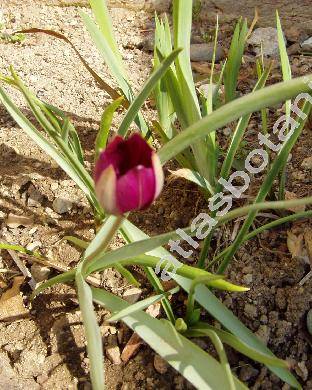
point(291, 196)
point(295, 244)
point(14, 221)
point(131, 347)
point(11, 302)
point(135, 341)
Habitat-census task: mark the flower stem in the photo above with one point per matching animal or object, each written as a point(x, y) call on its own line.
point(111, 231)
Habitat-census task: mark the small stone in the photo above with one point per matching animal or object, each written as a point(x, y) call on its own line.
point(267, 36)
point(54, 186)
point(132, 295)
point(307, 163)
point(204, 52)
point(160, 364)
point(113, 353)
point(302, 370)
point(227, 131)
point(39, 272)
point(62, 206)
point(263, 333)
point(247, 372)
point(307, 44)
point(32, 246)
point(247, 279)
point(264, 319)
point(250, 311)
point(309, 321)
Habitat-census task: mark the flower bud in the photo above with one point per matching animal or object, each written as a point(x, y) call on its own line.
point(128, 175)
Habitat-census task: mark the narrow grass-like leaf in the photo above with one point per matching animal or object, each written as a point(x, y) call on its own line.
point(146, 245)
point(146, 91)
point(247, 104)
point(113, 62)
point(226, 337)
point(215, 308)
point(203, 371)
point(41, 141)
point(76, 241)
point(103, 19)
point(92, 331)
point(276, 167)
point(234, 60)
point(207, 299)
point(141, 305)
point(105, 125)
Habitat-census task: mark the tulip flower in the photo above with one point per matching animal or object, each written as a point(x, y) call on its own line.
point(128, 175)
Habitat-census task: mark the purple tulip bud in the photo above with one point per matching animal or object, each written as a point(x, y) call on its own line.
point(128, 175)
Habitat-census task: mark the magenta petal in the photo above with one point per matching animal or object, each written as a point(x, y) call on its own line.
point(135, 189)
point(112, 155)
point(138, 151)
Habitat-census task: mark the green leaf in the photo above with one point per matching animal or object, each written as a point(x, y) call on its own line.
point(105, 125)
point(41, 141)
point(77, 241)
point(247, 104)
point(215, 308)
point(202, 370)
point(103, 45)
point(207, 300)
point(146, 91)
point(266, 185)
point(141, 305)
point(200, 329)
point(92, 331)
point(103, 19)
point(234, 61)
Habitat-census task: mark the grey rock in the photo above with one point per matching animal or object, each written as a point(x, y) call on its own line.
point(247, 279)
point(263, 333)
point(250, 311)
point(307, 163)
point(113, 353)
point(247, 372)
point(307, 44)
point(62, 206)
point(267, 36)
point(204, 52)
point(132, 295)
point(39, 272)
point(160, 364)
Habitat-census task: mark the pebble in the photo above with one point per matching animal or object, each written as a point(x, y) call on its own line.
point(263, 333)
point(39, 272)
point(250, 310)
point(113, 353)
point(247, 372)
point(132, 295)
point(267, 36)
point(204, 52)
point(62, 206)
point(247, 279)
point(32, 246)
point(307, 44)
point(307, 163)
point(160, 364)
